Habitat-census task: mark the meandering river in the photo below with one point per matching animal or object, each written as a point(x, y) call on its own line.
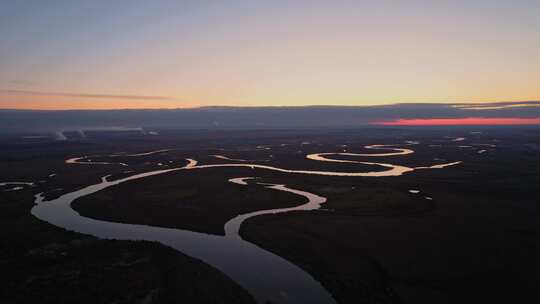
point(266, 276)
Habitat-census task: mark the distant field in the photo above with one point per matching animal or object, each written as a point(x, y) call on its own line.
point(464, 233)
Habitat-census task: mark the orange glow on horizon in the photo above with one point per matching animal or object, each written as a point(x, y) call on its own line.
point(468, 121)
point(184, 54)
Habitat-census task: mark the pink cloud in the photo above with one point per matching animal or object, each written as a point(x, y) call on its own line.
point(473, 121)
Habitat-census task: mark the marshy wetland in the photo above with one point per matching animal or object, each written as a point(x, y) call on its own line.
point(335, 216)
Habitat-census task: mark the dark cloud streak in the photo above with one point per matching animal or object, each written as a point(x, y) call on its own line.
point(86, 95)
point(18, 82)
point(317, 117)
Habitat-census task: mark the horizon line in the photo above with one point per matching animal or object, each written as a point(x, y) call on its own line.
point(465, 104)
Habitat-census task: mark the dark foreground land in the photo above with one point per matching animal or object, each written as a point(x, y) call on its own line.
point(476, 240)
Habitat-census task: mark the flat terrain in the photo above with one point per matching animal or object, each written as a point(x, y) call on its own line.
point(197, 200)
point(471, 234)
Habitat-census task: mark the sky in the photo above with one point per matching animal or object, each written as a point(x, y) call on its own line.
point(182, 54)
